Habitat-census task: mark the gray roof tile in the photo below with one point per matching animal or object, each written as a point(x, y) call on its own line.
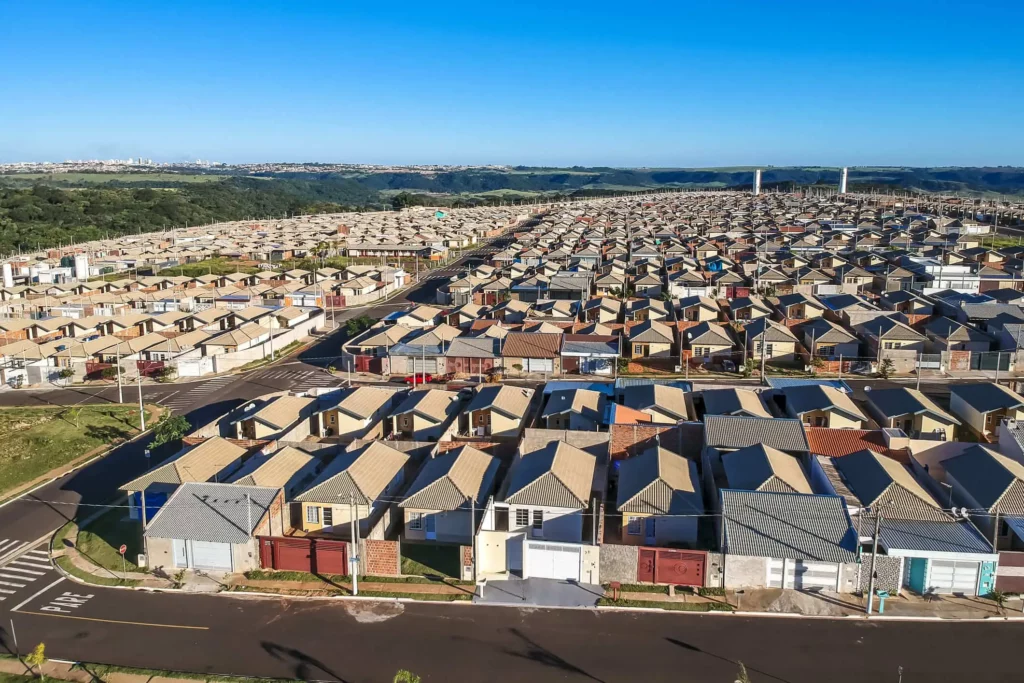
point(788, 525)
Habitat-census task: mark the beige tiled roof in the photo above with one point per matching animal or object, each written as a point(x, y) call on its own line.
point(198, 464)
point(282, 411)
point(360, 474)
point(434, 404)
point(659, 482)
point(449, 481)
point(277, 470)
point(558, 475)
point(365, 401)
point(512, 401)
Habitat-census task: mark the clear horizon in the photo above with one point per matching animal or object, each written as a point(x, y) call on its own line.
point(663, 86)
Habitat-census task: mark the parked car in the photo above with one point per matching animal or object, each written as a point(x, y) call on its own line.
point(419, 378)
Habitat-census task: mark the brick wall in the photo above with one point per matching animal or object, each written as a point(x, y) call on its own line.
point(626, 438)
point(445, 446)
point(380, 558)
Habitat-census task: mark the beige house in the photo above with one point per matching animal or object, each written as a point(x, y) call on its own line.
point(359, 414)
point(650, 339)
point(659, 498)
point(775, 341)
point(665, 404)
point(275, 417)
point(708, 340)
point(913, 412)
point(427, 415)
point(984, 405)
point(576, 409)
point(822, 406)
point(497, 411)
point(449, 488)
point(602, 310)
point(697, 309)
point(359, 482)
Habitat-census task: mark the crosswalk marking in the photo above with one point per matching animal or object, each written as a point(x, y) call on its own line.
point(12, 568)
point(23, 570)
point(32, 562)
point(8, 545)
point(183, 399)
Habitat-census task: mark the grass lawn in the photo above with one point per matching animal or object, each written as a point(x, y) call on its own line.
point(425, 559)
point(66, 564)
point(100, 540)
point(101, 671)
point(34, 441)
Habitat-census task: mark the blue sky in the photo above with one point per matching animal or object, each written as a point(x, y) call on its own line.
point(591, 83)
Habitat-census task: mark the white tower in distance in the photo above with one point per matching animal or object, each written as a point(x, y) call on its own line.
point(81, 267)
point(757, 182)
point(842, 180)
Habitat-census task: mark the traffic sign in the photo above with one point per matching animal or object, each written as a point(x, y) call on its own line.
point(123, 549)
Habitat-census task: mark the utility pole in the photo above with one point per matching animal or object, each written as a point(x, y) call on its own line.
point(472, 535)
point(117, 367)
point(919, 356)
point(995, 533)
point(142, 412)
point(874, 554)
point(354, 560)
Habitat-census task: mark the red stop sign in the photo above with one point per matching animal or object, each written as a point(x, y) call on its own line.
point(123, 549)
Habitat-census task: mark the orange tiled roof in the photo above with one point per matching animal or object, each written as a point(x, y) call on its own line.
point(836, 443)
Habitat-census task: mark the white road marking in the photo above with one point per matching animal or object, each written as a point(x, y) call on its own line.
point(12, 568)
point(16, 585)
point(36, 595)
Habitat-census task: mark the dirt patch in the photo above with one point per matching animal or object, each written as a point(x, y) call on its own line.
point(374, 612)
point(810, 604)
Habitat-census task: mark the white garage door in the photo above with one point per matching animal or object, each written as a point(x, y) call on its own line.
point(948, 576)
point(552, 561)
point(803, 575)
point(428, 365)
point(212, 556)
point(540, 365)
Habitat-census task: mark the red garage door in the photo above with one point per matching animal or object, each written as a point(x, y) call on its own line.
point(315, 555)
point(677, 567)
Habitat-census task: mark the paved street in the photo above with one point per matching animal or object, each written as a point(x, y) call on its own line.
point(368, 641)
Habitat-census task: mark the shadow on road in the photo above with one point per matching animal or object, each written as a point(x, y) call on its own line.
point(536, 652)
point(694, 648)
point(303, 666)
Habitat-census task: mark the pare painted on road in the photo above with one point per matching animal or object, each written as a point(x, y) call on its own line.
point(67, 603)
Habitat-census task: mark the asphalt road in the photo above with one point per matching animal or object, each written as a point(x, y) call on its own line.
point(369, 641)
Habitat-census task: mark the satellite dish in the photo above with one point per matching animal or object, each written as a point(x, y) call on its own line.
point(867, 390)
point(963, 512)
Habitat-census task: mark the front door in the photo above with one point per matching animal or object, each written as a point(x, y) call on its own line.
point(180, 553)
point(649, 531)
point(430, 527)
point(328, 516)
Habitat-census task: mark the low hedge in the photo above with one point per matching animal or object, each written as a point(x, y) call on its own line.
point(639, 588)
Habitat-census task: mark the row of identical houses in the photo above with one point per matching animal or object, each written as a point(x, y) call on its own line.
point(597, 481)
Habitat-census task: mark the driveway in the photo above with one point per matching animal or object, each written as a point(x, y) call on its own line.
point(540, 592)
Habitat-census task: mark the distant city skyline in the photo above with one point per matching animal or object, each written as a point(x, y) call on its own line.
point(668, 85)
